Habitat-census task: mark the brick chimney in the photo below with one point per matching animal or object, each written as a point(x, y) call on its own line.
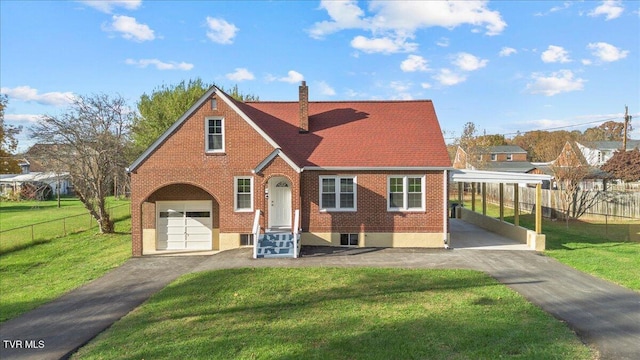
point(303, 92)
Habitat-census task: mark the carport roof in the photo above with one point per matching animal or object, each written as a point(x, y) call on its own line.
point(497, 177)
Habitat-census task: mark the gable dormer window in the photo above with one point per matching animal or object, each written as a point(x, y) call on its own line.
point(214, 128)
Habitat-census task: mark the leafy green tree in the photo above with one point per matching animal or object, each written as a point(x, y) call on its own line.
point(160, 109)
point(8, 142)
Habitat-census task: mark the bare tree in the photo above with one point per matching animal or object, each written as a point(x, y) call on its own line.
point(90, 142)
point(569, 170)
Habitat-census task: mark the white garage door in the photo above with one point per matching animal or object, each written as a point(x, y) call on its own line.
point(183, 225)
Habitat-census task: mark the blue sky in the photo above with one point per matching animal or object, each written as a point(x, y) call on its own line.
point(506, 66)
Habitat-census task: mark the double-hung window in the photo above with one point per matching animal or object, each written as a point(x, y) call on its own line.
point(214, 127)
point(406, 193)
point(338, 193)
point(243, 194)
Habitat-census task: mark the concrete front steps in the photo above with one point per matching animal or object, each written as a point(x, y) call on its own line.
point(277, 245)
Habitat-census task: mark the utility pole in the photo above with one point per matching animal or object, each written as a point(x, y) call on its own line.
point(627, 118)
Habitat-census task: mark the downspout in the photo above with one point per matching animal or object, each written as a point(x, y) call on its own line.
point(445, 206)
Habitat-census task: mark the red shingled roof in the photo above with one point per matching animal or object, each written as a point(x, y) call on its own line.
point(355, 133)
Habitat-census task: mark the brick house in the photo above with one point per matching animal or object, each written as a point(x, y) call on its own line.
point(505, 158)
point(358, 173)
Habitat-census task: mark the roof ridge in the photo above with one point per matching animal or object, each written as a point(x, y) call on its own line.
point(336, 101)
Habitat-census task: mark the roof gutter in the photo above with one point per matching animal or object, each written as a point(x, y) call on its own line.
point(376, 168)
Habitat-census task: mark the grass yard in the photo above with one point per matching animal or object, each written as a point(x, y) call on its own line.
point(592, 246)
point(15, 214)
point(336, 313)
point(42, 272)
point(28, 223)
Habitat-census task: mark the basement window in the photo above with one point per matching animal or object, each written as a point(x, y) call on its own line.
point(349, 239)
point(246, 239)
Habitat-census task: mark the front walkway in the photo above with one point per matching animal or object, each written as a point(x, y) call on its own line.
point(605, 315)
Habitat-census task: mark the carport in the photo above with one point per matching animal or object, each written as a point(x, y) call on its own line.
point(533, 239)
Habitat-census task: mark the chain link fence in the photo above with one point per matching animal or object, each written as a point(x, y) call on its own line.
point(24, 236)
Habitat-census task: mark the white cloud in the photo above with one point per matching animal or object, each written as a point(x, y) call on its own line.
point(31, 118)
point(555, 54)
point(414, 63)
point(443, 42)
point(292, 77)
point(607, 52)
point(108, 6)
point(325, 89)
point(586, 62)
point(447, 77)
point(130, 29)
point(383, 45)
point(343, 14)
point(558, 82)
point(468, 62)
point(564, 6)
point(611, 9)
point(240, 74)
point(507, 51)
point(400, 86)
point(27, 93)
point(220, 31)
point(425, 85)
point(160, 65)
point(413, 15)
point(392, 23)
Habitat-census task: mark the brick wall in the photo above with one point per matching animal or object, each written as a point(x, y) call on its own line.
point(372, 214)
point(182, 159)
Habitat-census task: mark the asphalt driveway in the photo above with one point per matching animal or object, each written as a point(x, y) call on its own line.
point(606, 316)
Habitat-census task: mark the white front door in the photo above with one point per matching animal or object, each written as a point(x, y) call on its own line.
point(279, 203)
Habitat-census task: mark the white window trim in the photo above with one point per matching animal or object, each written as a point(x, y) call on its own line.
point(494, 157)
point(509, 157)
point(405, 193)
point(337, 182)
point(235, 193)
point(206, 135)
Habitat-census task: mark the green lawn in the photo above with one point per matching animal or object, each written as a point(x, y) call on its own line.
point(28, 223)
point(15, 214)
point(42, 272)
point(603, 249)
point(336, 313)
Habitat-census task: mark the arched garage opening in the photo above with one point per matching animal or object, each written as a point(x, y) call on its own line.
point(180, 217)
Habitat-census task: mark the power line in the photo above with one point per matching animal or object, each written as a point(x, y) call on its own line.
point(564, 127)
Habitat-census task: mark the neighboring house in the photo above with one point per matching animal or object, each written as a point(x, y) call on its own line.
point(571, 156)
point(14, 183)
point(597, 153)
point(506, 158)
point(34, 171)
point(361, 173)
